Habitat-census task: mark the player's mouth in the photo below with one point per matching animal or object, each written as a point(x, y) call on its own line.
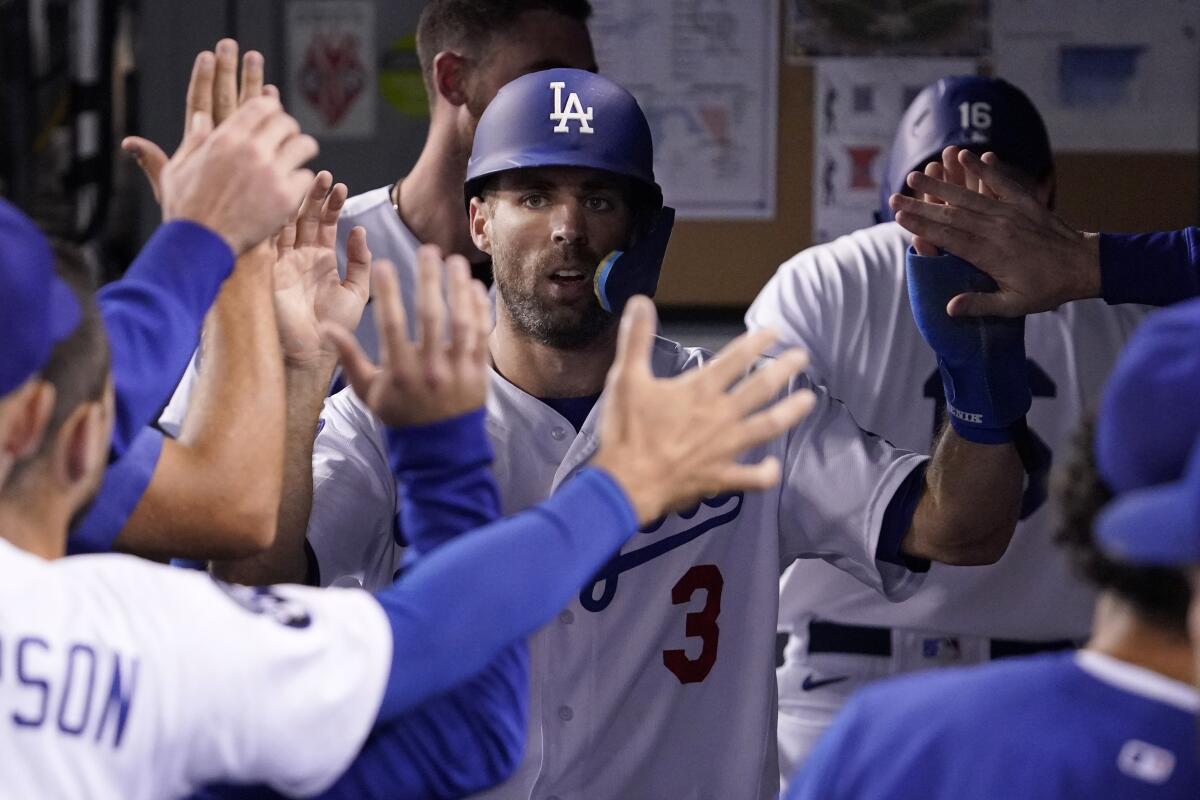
point(570, 282)
point(568, 276)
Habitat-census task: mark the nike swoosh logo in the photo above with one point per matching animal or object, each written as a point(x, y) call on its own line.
point(809, 684)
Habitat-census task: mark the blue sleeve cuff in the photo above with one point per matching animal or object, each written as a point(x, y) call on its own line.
point(153, 317)
point(897, 519)
point(446, 444)
point(125, 481)
point(606, 489)
point(1152, 268)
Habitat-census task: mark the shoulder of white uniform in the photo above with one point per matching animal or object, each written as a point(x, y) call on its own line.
point(877, 247)
point(19, 569)
point(361, 205)
point(346, 413)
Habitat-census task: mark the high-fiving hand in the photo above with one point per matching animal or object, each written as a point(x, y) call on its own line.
point(444, 373)
point(672, 441)
point(241, 180)
point(982, 215)
point(309, 292)
point(212, 91)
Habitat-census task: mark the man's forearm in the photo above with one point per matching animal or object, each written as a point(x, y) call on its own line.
point(285, 560)
point(1151, 268)
point(153, 317)
point(216, 491)
point(971, 502)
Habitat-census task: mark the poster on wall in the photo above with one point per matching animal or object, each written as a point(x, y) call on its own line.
point(706, 72)
point(1108, 75)
point(885, 28)
point(859, 102)
point(331, 72)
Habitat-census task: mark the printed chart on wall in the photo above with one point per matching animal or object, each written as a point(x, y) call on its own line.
point(707, 74)
point(331, 79)
point(859, 102)
point(885, 27)
point(1108, 75)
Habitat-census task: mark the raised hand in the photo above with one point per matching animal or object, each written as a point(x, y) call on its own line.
point(242, 180)
point(1036, 259)
point(308, 290)
point(445, 372)
point(671, 441)
point(212, 90)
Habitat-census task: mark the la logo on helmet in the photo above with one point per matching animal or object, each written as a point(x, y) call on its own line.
point(573, 111)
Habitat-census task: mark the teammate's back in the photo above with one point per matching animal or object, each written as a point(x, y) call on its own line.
point(1053, 726)
point(123, 679)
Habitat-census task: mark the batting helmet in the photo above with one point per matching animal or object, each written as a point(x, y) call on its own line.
point(575, 118)
point(972, 112)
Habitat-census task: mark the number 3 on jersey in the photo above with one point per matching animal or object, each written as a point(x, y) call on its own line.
point(700, 624)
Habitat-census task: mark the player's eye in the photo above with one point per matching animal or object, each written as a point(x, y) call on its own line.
point(598, 203)
point(535, 200)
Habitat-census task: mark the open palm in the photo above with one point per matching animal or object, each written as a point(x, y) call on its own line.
point(309, 291)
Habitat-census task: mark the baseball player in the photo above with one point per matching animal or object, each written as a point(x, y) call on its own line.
point(116, 671)
point(1037, 260)
point(1116, 719)
point(656, 680)
point(847, 303)
point(467, 49)
point(1157, 523)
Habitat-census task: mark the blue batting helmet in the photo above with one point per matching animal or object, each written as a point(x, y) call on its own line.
point(575, 118)
point(562, 118)
point(972, 112)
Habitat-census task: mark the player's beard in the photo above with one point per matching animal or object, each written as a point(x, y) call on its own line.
point(554, 324)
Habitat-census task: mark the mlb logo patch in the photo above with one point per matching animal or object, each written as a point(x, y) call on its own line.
point(1146, 762)
point(941, 647)
point(573, 110)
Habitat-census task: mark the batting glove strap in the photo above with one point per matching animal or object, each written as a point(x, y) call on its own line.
point(981, 359)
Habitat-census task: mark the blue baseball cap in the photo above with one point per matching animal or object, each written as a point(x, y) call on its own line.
point(562, 118)
point(39, 309)
point(974, 112)
point(1147, 437)
point(1156, 526)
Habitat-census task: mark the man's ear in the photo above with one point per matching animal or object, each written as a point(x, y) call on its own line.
point(480, 225)
point(450, 77)
point(81, 449)
point(28, 412)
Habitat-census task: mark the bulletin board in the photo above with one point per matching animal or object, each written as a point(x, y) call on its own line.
point(723, 264)
point(720, 265)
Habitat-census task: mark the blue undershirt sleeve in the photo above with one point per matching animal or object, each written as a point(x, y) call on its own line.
point(442, 476)
point(125, 482)
point(153, 316)
point(1152, 268)
point(897, 519)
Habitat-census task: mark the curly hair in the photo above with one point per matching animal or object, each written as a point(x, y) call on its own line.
point(1158, 594)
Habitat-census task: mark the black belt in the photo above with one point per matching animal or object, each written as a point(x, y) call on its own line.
point(867, 640)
